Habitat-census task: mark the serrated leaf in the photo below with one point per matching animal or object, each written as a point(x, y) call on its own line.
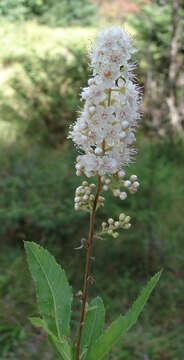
point(120, 326)
point(61, 347)
point(93, 326)
point(54, 294)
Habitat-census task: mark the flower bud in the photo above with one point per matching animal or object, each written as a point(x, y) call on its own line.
point(133, 177)
point(136, 184)
point(116, 192)
point(127, 183)
point(121, 173)
point(127, 226)
point(127, 219)
point(110, 232)
point(122, 217)
point(117, 224)
point(115, 235)
point(123, 195)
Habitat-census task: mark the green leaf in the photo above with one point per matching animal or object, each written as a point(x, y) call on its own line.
point(93, 325)
point(54, 294)
point(61, 347)
point(120, 326)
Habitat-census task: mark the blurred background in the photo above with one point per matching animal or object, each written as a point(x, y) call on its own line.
point(43, 65)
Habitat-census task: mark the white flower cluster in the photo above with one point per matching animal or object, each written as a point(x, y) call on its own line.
point(105, 129)
point(111, 226)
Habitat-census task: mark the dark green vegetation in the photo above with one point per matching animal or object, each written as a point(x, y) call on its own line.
point(41, 73)
point(50, 12)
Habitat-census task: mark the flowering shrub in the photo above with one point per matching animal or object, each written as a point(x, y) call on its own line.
point(104, 133)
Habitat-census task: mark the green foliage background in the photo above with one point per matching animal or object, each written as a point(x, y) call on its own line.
point(52, 12)
point(42, 70)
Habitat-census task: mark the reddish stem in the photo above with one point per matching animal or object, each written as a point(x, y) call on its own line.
point(87, 268)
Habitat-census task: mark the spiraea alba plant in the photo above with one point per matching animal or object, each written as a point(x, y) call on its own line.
point(104, 133)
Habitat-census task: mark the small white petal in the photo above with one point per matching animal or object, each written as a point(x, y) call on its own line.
point(125, 124)
point(98, 151)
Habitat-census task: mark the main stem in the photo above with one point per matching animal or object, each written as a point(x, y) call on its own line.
point(88, 256)
point(87, 268)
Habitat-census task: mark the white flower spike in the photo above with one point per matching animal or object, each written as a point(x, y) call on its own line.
point(105, 129)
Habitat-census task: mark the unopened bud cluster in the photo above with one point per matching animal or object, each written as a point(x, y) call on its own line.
point(112, 226)
point(84, 198)
point(130, 185)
